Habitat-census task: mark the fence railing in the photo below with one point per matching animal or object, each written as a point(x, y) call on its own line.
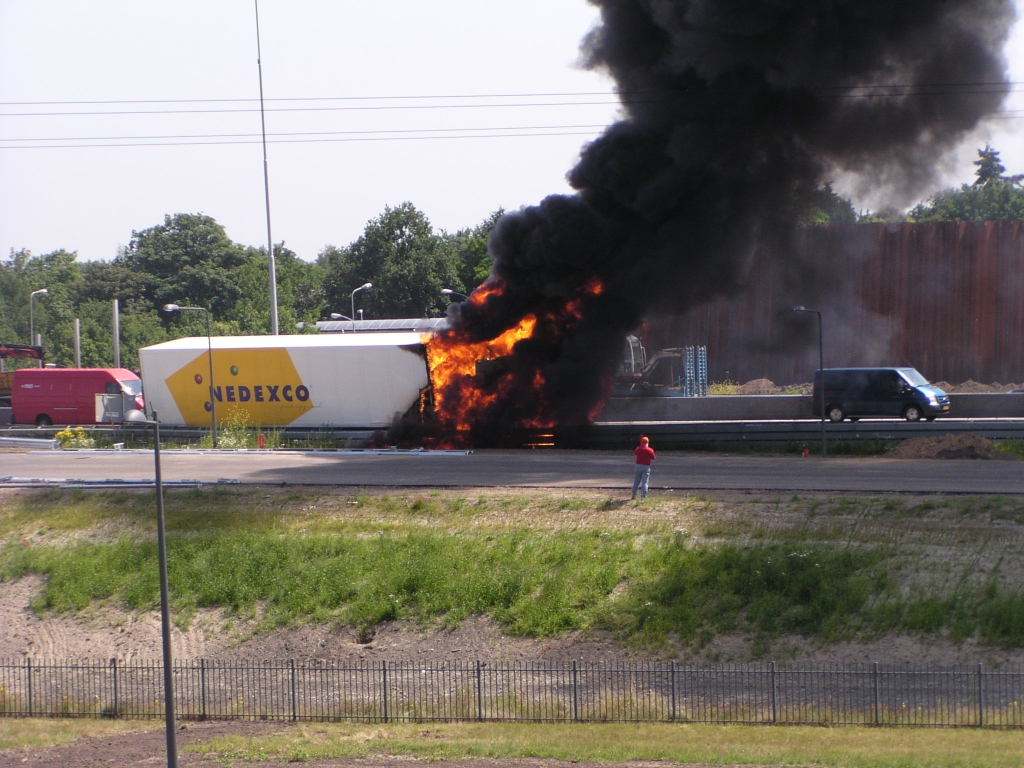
point(872, 694)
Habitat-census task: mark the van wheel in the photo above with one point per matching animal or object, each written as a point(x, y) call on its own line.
point(912, 413)
point(42, 420)
point(835, 413)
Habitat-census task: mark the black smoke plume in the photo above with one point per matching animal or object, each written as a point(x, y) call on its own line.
point(733, 110)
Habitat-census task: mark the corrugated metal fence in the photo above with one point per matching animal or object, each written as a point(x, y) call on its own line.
point(944, 297)
point(871, 694)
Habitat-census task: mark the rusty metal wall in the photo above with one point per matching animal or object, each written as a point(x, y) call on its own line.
point(944, 297)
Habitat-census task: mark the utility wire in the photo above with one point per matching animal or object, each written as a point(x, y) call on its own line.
point(309, 133)
point(302, 141)
point(882, 88)
point(888, 92)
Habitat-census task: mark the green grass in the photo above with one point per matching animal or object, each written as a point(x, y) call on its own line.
point(677, 567)
point(618, 743)
point(24, 732)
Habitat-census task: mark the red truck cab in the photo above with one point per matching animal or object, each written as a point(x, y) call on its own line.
point(45, 396)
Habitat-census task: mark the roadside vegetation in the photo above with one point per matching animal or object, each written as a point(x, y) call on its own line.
point(675, 571)
point(620, 742)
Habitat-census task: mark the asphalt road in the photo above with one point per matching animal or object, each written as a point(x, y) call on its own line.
point(542, 468)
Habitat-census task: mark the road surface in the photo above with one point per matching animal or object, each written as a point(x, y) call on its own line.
point(542, 468)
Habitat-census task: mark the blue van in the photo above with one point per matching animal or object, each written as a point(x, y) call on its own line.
point(878, 392)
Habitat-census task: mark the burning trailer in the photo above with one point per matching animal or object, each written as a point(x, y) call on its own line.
point(350, 381)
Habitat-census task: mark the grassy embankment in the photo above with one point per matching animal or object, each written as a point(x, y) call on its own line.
point(679, 567)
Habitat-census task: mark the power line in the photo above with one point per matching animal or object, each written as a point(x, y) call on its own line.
point(303, 141)
point(624, 99)
point(308, 133)
point(878, 87)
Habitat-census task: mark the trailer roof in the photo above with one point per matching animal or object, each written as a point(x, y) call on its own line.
point(332, 340)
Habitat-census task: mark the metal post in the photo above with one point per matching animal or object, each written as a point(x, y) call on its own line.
point(673, 684)
point(878, 704)
point(28, 684)
point(575, 693)
point(165, 604)
point(117, 335)
point(202, 689)
point(113, 672)
point(39, 343)
point(775, 697)
point(266, 183)
point(213, 399)
point(384, 687)
point(821, 365)
point(78, 343)
point(479, 693)
point(981, 701)
point(295, 714)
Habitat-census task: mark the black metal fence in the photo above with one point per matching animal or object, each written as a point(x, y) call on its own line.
point(872, 694)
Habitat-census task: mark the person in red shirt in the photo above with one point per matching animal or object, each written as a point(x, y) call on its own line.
point(642, 475)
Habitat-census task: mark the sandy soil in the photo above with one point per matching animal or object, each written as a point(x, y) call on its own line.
point(966, 446)
point(108, 631)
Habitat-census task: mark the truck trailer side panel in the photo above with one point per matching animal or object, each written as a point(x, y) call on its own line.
point(350, 380)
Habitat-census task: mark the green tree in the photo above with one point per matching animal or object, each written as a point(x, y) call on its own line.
point(992, 197)
point(299, 291)
point(471, 248)
point(822, 206)
point(188, 259)
point(405, 260)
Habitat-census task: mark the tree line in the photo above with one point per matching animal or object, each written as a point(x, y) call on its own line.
point(190, 260)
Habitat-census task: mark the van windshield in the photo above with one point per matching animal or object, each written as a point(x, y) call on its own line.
point(132, 386)
point(913, 378)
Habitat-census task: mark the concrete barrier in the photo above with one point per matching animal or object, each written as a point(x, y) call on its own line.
point(779, 407)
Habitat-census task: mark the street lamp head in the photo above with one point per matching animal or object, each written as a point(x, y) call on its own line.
point(171, 308)
point(136, 416)
point(447, 291)
point(799, 309)
point(365, 287)
point(337, 316)
point(40, 292)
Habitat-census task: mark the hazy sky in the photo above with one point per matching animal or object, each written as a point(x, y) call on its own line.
point(459, 106)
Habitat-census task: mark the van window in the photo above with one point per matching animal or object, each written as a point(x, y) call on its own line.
point(112, 388)
point(132, 386)
point(914, 378)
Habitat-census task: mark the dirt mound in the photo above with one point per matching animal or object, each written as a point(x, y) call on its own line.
point(966, 446)
point(758, 387)
point(972, 387)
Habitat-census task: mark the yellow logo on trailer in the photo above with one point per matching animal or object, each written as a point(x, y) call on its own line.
point(260, 383)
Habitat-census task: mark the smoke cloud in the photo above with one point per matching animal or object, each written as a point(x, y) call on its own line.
point(733, 110)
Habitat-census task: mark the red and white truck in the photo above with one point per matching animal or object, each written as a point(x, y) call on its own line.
point(45, 396)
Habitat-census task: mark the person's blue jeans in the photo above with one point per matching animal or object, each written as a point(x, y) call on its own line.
point(641, 477)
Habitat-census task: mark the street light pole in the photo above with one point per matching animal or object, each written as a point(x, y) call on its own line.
point(174, 309)
point(363, 287)
point(821, 367)
point(165, 604)
point(32, 316)
point(338, 316)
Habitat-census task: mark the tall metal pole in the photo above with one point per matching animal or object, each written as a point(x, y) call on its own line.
point(78, 343)
point(266, 183)
point(821, 369)
point(213, 399)
point(821, 366)
point(116, 324)
point(165, 604)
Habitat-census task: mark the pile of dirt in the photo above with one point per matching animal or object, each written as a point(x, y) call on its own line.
point(758, 387)
point(965, 446)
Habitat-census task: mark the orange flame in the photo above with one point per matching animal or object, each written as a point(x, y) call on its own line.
point(460, 398)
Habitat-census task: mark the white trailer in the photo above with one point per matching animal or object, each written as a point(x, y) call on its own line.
point(352, 380)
